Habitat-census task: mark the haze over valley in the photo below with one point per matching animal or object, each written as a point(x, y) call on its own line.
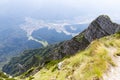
point(59, 39)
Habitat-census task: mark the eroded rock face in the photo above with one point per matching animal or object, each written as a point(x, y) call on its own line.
point(100, 27)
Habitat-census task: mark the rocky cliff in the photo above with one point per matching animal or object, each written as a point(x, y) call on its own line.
point(101, 26)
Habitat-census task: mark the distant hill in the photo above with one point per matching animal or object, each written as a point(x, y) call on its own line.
point(14, 40)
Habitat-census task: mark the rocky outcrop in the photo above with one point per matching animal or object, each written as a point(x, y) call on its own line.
point(100, 27)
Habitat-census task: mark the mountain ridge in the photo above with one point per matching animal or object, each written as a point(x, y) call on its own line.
point(99, 61)
point(95, 30)
point(63, 49)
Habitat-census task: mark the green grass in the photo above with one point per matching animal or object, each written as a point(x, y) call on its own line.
point(89, 64)
point(5, 77)
point(79, 38)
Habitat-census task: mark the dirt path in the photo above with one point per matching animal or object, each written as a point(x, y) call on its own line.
point(114, 72)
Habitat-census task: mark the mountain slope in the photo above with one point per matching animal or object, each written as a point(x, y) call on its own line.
point(14, 40)
point(4, 76)
point(101, 26)
point(28, 59)
point(94, 63)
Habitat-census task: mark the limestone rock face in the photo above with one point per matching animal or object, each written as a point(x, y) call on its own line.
point(100, 27)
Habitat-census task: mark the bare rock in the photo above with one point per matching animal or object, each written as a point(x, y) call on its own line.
point(100, 27)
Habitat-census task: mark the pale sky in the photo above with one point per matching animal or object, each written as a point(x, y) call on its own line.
point(59, 9)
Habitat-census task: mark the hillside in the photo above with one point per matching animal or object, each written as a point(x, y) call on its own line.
point(14, 40)
point(99, 61)
point(3, 76)
point(27, 60)
point(100, 27)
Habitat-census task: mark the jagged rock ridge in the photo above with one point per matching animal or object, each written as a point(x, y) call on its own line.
point(101, 26)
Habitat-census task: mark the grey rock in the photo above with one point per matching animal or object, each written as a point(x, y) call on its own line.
point(100, 27)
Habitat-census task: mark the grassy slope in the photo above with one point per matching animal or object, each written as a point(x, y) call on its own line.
point(5, 77)
point(89, 64)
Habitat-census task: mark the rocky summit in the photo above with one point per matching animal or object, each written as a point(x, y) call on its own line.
point(100, 27)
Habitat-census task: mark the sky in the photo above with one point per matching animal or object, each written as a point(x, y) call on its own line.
point(59, 9)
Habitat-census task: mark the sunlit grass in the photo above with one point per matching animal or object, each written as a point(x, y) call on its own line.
point(89, 64)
